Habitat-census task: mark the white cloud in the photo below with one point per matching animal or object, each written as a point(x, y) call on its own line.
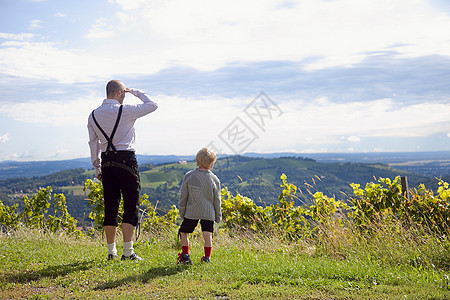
point(100, 30)
point(17, 37)
point(310, 124)
point(59, 153)
point(35, 24)
point(52, 113)
point(314, 124)
point(4, 138)
point(210, 34)
point(130, 4)
point(25, 155)
point(60, 14)
point(353, 138)
point(48, 61)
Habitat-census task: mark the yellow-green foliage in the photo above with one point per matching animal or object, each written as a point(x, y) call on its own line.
point(151, 222)
point(35, 213)
point(384, 200)
point(291, 221)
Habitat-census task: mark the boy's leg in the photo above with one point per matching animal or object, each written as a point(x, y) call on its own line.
point(207, 236)
point(186, 227)
point(184, 238)
point(183, 256)
point(207, 229)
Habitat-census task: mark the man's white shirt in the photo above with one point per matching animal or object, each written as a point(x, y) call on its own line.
point(124, 137)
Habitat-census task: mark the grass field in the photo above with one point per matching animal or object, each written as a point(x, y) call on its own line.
point(40, 266)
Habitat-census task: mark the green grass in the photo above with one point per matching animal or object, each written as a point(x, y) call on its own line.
point(39, 266)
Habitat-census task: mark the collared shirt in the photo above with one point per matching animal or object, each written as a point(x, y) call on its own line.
point(106, 115)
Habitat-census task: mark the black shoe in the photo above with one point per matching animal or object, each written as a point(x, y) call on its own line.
point(133, 256)
point(184, 259)
point(206, 259)
point(112, 256)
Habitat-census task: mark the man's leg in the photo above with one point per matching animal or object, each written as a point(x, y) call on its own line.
point(128, 232)
point(110, 232)
point(130, 187)
point(111, 194)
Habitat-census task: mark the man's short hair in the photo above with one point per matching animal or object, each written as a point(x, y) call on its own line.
point(113, 87)
point(204, 158)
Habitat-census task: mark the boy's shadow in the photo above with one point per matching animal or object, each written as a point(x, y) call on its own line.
point(144, 277)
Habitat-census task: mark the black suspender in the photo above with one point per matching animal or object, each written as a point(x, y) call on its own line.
point(109, 139)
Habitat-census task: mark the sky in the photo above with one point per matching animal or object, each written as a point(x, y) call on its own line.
point(306, 76)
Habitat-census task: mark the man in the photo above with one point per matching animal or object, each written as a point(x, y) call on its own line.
point(112, 133)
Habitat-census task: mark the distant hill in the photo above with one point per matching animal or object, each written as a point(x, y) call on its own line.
point(435, 164)
point(257, 178)
point(15, 169)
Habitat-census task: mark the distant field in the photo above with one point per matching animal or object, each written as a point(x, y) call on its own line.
point(171, 174)
point(76, 190)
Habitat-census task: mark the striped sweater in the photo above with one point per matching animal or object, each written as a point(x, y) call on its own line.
point(200, 196)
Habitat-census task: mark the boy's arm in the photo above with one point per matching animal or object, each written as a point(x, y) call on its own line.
point(183, 199)
point(218, 203)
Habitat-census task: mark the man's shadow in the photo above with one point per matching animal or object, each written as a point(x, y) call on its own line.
point(50, 271)
point(144, 277)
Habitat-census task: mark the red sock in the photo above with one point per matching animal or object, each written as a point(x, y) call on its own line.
point(208, 251)
point(185, 249)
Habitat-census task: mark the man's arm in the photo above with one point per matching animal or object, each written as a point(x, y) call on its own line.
point(94, 145)
point(147, 106)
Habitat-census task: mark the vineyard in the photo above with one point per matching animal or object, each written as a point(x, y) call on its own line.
point(377, 224)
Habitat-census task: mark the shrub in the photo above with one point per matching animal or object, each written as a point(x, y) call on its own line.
point(35, 213)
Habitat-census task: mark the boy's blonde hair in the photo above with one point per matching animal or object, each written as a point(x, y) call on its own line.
point(204, 158)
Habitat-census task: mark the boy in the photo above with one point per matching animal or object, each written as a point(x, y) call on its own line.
point(199, 200)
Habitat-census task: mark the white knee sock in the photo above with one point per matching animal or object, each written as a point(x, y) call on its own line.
point(128, 248)
point(112, 248)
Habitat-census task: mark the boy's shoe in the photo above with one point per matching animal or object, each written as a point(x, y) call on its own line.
point(133, 256)
point(112, 256)
point(184, 259)
point(206, 259)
